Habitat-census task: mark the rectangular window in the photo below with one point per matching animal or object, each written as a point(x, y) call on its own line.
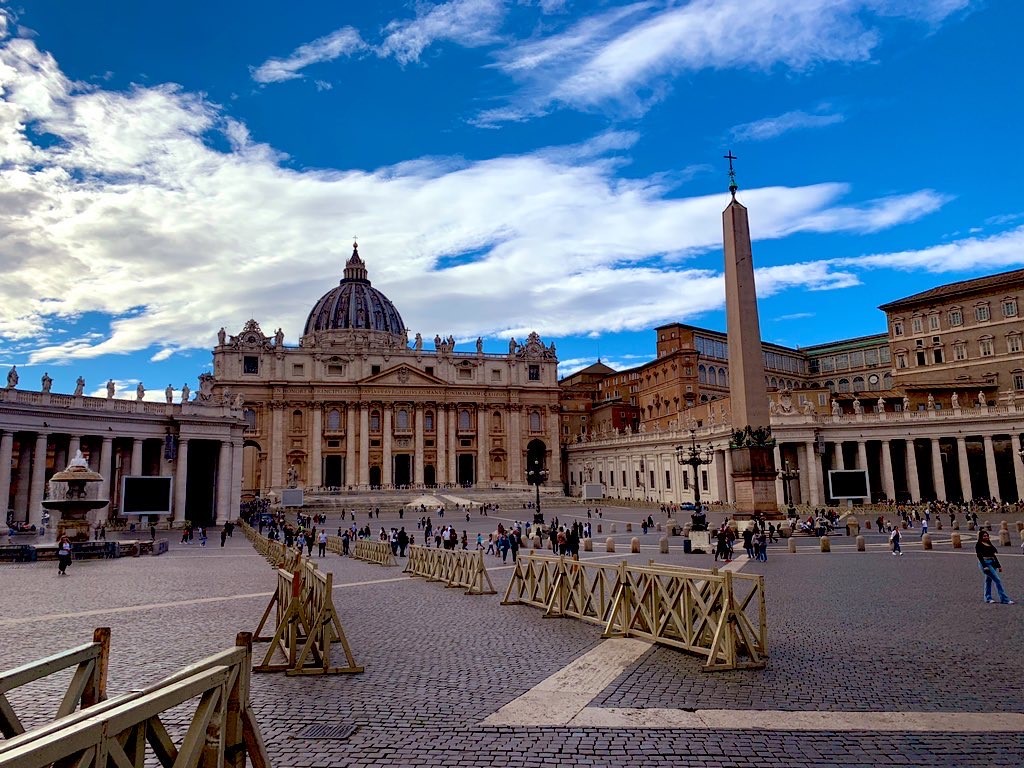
point(981, 312)
point(883, 354)
point(933, 322)
point(956, 317)
point(298, 369)
point(901, 361)
point(534, 373)
point(495, 374)
point(374, 370)
point(668, 480)
point(623, 478)
point(916, 325)
point(856, 359)
point(921, 360)
point(937, 355)
point(686, 481)
point(704, 479)
point(1018, 381)
point(959, 351)
point(335, 369)
point(985, 347)
point(1013, 343)
point(430, 370)
point(465, 373)
point(250, 364)
point(842, 362)
point(600, 476)
point(1010, 308)
point(871, 357)
point(822, 399)
point(897, 328)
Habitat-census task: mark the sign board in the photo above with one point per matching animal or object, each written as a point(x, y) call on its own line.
point(291, 497)
point(849, 484)
point(592, 491)
point(151, 495)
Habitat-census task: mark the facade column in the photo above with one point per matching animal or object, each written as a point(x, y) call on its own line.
point(815, 488)
point(838, 462)
point(180, 479)
point(316, 461)
point(74, 446)
point(1018, 466)
point(106, 456)
point(554, 466)
point(441, 444)
point(24, 469)
point(453, 441)
point(223, 505)
point(938, 479)
point(990, 467)
point(364, 444)
point(804, 480)
point(780, 485)
point(235, 497)
point(277, 445)
point(730, 483)
point(913, 481)
point(350, 477)
point(965, 469)
point(387, 444)
point(418, 458)
point(136, 469)
point(719, 474)
point(515, 445)
point(483, 444)
point(6, 456)
point(862, 454)
point(38, 485)
point(888, 484)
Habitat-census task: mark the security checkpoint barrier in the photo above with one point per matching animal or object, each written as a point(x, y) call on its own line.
point(306, 625)
point(704, 612)
point(222, 729)
point(275, 552)
point(455, 567)
point(378, 552)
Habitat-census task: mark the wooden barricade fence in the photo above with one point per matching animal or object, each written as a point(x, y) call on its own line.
point(275, 552)
point(455, 567)
point(704, 612)
point(222, 730)
point(306, 625)
point(88, 685)
point(374, 552)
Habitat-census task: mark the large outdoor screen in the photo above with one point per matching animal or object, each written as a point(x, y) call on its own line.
point(849, 484)
point(146, 495)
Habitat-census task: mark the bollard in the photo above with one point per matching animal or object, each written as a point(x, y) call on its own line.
point(1004, 538)
point(955, 540)
point(663, 545)
point(629, 527)
point(657, 527)
point(536, 542)
point(1020, 526)
point(926, 541)
point(867, 525)
point(588, 545)
point(792, 545)
point(615, 528)
point(598, 527)
point(861, 544)
point(825, 544)
point(1004, 526)
point(634, 545)
point(938, 522)
point(852, 526)
point(609, 544)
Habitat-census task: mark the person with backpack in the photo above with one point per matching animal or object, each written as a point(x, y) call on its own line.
point(894, 540)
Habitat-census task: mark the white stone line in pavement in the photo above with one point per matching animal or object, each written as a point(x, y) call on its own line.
point(786, 720)
point(564, 695)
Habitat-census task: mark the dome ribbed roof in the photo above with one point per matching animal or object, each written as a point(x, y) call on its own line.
point(355, 305)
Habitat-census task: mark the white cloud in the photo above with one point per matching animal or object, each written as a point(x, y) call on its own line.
point(341, 42)
point(170, 238)
point(796, 316)
point(469, 23)
point(323, 85)
point(771, 127)
point(126, 389)
point(973, 254)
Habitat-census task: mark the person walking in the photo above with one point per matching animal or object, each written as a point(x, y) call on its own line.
point(748, 542)
point(894, 540)
point(989, 564)
point(202, 537)
point(322, 543)
point(63, 555)
point(762, 546)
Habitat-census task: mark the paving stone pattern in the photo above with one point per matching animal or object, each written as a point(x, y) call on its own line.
point(848, 631)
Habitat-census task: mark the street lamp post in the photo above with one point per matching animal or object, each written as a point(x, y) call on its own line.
point(535, 475)
point(694, 456)
point(788, 475)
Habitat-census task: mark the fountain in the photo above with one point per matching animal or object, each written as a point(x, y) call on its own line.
point(74, 507)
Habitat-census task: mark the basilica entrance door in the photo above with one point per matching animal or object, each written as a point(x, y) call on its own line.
point(332, 472)
point(375, 477)
point(403, 469)
point(429, 476)
point(466, 469)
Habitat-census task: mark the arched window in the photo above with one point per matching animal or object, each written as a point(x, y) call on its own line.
point(375, 421)
point(496, 421)
point(296, 421)
point(428, 421)
point(844, 385)
point(702, 374)
point(534, 421)
point(887, 381)
point(465, 421)
point(723, 379)
point(333, 420)
point(858, 383)
point(831, 386)
point(775, 382)
point(250, 419)
point(712, 377)
point(402, 420)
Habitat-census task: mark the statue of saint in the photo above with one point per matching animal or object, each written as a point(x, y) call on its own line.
point(955, 400)
point(79, 387)
point(982, 401)
point(836, 410)
point(222, 336)
point(479, 345)
point(12, 377)
point(419, 342)
point(47, 382)
point(169, 394)
point(931, 402)
point(140, 391)
point(906, 403)
point(110, 388)
point(184, 393)
point(512, 345)
point(881, 404)
point(279, 338)
point(857, 407)
point(437, 342)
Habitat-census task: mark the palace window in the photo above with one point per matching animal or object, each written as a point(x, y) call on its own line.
point(1018, 380)
point(956, 317)
point(981, 312)
point(702, 374)
point(897, 328)
point(534, 421)
point(712, 377)
point(1013, 343)
point(937, 355)
point(723, 380)
point(374, 370)
point(985, 347)
point(402, 420)
point(844, 385)
point(375, 421)
point(495, 374)
point(251, 365)
point(465, 421)
point(921, 359)
point(901, 360)
point(296, 421)
point(333, 420)
point(933, 321)
point(428, 421)
point(298, 369)
point(1009, 307)
point(250, 419)
point(858, 383)
point(534, 373)
point(916, 325)
point(960, 351)
point(668, 480)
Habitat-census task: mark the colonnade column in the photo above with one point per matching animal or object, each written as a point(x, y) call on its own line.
point(316, 461)
point(814, 486)
point(180, 479)
point(364, 444)
point(515, 445)
point(453, 441)
point(136, 469)
point(277, 446)
point(21, 497)
point(351, 478)
point(223, 506)
point(440, 442)
point(888, 485)
point(386, 475)
point(483, 453)
point(965, 469)
point(862, 454)
point(106, 456)
point(730, 484)
point(804, 480)
point(74, 446)
point(990, 467)
point(235, 492)
point(937, 477)
point(1018, 466)
point(721, 492)
point(838, 462)
point(913, 482)
point(417, 441)
point(780, 484)
point(38, 485)
point(6, 454)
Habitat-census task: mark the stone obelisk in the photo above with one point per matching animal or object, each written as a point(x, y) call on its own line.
point(752, 447)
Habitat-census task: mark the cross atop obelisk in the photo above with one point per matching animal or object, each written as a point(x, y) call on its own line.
point(732, 173)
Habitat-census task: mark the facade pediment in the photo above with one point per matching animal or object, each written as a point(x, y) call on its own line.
point(403, 376)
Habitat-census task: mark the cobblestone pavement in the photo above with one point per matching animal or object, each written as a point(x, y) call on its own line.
point(847, 631)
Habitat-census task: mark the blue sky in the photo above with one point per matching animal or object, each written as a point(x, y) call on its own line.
point(507, 166)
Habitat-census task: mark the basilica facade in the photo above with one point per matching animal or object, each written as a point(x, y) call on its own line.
point(357, 404)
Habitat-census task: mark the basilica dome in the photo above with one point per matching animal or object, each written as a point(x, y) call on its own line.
point(355, 305)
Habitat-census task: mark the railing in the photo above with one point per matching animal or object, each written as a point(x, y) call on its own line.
point(699, 611)
point(456, 568)
point(378, 552)
point(222, 730)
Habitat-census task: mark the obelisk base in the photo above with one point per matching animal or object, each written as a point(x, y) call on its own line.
point(754, 476)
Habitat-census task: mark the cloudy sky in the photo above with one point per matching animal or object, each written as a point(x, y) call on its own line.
point(166, 170)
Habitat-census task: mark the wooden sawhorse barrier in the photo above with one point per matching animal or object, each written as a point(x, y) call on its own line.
point(378, 552)
point(456, 568)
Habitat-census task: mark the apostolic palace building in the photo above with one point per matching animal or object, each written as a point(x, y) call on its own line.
point(931, 408)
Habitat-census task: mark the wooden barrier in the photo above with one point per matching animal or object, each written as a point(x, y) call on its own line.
point(455, 567)
point(275, 552)
point(306, 625)
point(222, 730)
point(88, 685)
point(378, 552)
point(699, 611)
